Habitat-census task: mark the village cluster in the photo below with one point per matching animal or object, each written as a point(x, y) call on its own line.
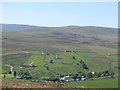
point(67, 78)
point(79, 77)
point(86, 77)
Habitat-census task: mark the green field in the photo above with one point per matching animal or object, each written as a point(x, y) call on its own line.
point(97, 51)
point(106, 83)
point(65, 65)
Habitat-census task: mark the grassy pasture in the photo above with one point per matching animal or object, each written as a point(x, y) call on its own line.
point(103, 83)
point(65, 65)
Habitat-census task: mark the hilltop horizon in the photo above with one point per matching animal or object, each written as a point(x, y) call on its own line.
point(69, 25)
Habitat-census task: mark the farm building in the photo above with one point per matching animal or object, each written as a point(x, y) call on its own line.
point(82, 79)
point(27, 65)
point(66, 79)
point(44, 53)
point(57, 57)
point(19, 77)
point(70, 51)
point(93, 72)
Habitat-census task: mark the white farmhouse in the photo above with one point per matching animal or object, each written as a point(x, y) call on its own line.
point(82, 79)
point(67, 76)
point(93, 72)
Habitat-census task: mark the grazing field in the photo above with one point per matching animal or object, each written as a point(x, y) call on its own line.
point(65, 65)
point(52, 53)
point(105, 83)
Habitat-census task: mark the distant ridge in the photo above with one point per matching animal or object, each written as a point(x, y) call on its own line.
point(22, 27)
point(17, 27)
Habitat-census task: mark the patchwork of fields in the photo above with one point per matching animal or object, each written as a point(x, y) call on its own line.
point(40, 54)
point(65, 65)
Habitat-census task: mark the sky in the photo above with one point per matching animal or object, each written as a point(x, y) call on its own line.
point(55, 14)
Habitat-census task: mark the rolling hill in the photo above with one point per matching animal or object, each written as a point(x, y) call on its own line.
point(69, 37)
point(24, 44)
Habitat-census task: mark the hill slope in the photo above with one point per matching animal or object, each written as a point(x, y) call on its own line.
point(69, 37)
point(96, 46)
point(17, 27)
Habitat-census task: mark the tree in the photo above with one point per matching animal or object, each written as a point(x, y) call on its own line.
point(66, 75)
point(83, 74)
point(79, 72)
point(106, 73)
point(54, 79)
point(73, 57)
point(75, 76)
point(112, 73)
point(90, 75)
point(81, 61)
point(10, 72)
point(14, 73)
point(99, 74)
point(51, 61)
point(4, 75)
point(84, 66)
point(47, 68)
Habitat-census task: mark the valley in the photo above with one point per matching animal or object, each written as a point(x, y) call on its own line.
point(67, 55)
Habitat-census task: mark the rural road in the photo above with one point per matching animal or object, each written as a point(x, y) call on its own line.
point(10, 67)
